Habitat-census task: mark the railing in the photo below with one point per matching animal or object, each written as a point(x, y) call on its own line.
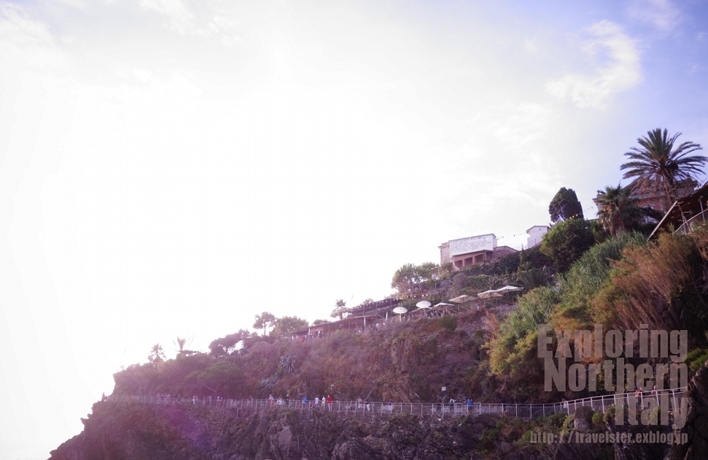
point(598, 403)
point(688, 226)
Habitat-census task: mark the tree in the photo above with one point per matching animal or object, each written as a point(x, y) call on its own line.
point(618, 211)
point(223, 377)
point(264, 320)
point(226, 345)
point(157, 354)
point(566, 242)
point(340, 308)
point(565, 205)
point(317, 322)
point(411, 280)
point(657, 165)
point(287, 325)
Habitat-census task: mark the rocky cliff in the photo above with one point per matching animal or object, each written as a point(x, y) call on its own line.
point(141, 431)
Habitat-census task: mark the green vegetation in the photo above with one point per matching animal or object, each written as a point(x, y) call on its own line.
point(618, 211)
point(620, 283)
point(406, 361)
point(566, 242)
point(411, 280)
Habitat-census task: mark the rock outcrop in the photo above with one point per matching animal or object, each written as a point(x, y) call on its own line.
point(696, 420)
point(141, 431)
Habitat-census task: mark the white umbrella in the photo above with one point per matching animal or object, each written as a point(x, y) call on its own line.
point(423, 304)
point(508, 288)
point(400, 311)
point(460, 299)
point(443, 304)
point(498, 292)
point(488, 294)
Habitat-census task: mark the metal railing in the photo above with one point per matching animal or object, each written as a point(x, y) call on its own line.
point(598, 403)
point(688, 226)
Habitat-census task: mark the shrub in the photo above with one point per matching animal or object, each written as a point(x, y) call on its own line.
point(696, 359)
point(566, 242)
point(589, 273)
point(656, 285)
point(449, 323)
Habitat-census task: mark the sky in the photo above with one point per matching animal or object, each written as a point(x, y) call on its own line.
point(174, 167)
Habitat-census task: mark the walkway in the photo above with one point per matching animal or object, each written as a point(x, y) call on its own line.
point(671, 397)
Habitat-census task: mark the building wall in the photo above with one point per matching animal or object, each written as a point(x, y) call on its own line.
point(444, 253)
point(474, 258)
point(488, 252)
point(535, 235)
point(501, 251)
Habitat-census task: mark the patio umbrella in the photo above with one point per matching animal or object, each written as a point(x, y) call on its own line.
point(400, 311)
point(489, 294)
point(508, 288)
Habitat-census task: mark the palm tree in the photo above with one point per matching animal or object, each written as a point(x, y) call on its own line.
point(617, 210)
point(656, 164)
point(182, 343)
point(340, 309)
point(157, 354)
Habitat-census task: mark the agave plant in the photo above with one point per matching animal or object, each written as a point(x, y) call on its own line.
point(287, 364)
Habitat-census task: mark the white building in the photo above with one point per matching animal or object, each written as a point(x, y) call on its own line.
point(536, 235)
point(473, 250)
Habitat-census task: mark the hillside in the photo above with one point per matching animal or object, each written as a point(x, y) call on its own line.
point(403, 361)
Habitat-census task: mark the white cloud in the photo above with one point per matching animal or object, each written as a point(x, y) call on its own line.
point(16, 29)
point(179, 16)
point(621, 72)
point(182, 20)
point(661, 14)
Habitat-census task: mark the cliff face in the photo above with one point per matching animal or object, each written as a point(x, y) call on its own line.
point(139, 431)
point(136, 431)
point(697, 419)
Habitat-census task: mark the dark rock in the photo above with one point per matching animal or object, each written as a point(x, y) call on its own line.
point(583, 419)
point(697, 419)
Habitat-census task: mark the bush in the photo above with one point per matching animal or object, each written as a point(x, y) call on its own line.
point(515, 339)
point(696, 359)
point(659, 284)
point(597, 419)
point(566, 242)
point(449, 323)
point(588, 274)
